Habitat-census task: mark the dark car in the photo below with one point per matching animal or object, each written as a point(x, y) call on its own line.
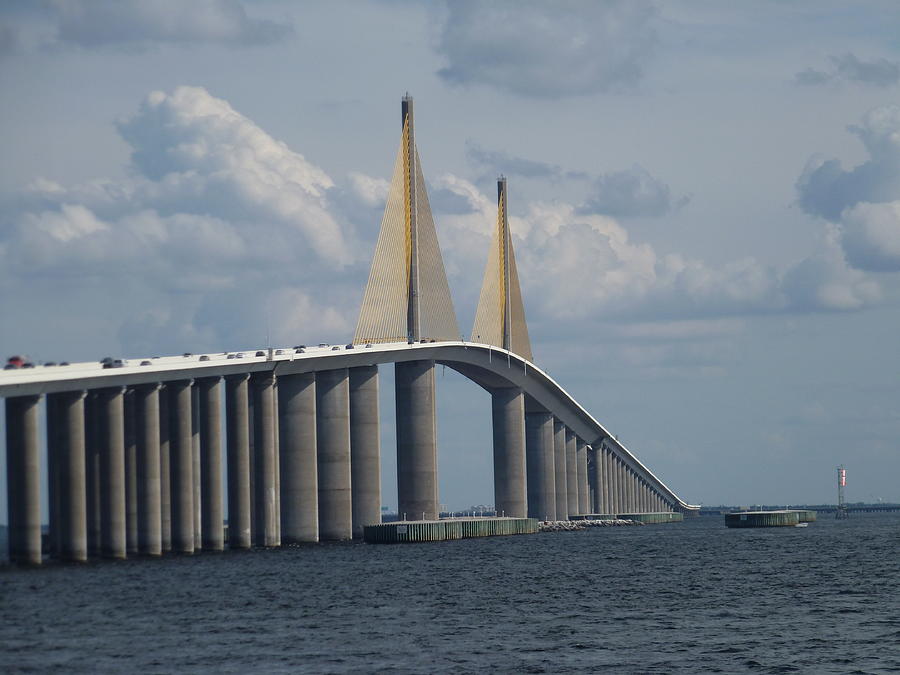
point(146, 363)
point(279, 351)
point(260, 353)
point(187, 354)
point(49, 363)
point(204, 358)
point(335, 348)
point(350, 346)
point(299, 346)
point(299, 350)
point(368, 345)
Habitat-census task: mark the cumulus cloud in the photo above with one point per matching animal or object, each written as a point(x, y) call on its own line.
point(863, 200)
point(850, 68)
point(871, 236)
point(825, 188)
point(580, 266)
point(92, 23)
point(632, 192)
point(215, 213)
point(538, 49)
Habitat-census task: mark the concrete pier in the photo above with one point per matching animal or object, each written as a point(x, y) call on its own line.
point(71, 530)
point(149, 517)
point(540, 455)
point(264, 527)
point(581, 458)
point(92, 472)
point(23, 486)
point(195, 463)
point(297, 454)
point(333, 454)
point(508, 416)
point(131, 499)
point(571, 474)
point(417, 486)
point(110, 406)
point(211, 507)
point(165, 472)
point(53, 426)
point(560, 466)
point(365, 449)
point(237, 434)
point(181, 466)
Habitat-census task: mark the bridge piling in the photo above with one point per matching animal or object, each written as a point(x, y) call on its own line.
point(560, 466)
point(417, 488)
point(23, 492)
point(110, 405)
point(131, 502)
point(584, 496)
point(165, 471)
point(297, 456)
point(237, 435)
point(210, 417)
point(540, 457)
point(365, 449)
point(333, 454)
point(72, 525)
point(149, 516)
point(181, 466)
point(262, 386)
point(510, 482)
point(571, 473)
point(195, 464)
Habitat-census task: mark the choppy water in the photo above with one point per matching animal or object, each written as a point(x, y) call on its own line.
point(691, 597)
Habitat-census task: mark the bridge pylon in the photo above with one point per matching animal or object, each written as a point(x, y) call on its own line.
point(407, 296)
point(500, 317)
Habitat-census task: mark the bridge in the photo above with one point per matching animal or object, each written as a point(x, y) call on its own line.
point(134, 452)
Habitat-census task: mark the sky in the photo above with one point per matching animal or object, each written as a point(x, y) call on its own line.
point(704, 198)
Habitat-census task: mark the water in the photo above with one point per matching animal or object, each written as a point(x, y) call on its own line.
point(690, 597)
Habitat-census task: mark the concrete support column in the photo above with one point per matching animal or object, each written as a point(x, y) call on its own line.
point(560, 469)
point(606, 505)
point(23, 480)
point(632, 490)
point(68, 428)
point(584, 495)
point(131, 489)
point(613, 464)
point(165, 473)
point(595, 476)
point(333, 454)
point(297, 453)
point(262, 386)
point(212, 518)
point(237, 433)
point(571, 473)
point(53, 431)
point(146, 425)
point(195, 464)
point(510, 482)
point(540, 456)
point(92, 472)
point(181, 464)
point(365, 449)
point(110, 405)
point(417, 484)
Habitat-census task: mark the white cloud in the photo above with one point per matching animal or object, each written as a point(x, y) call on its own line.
point(825, 188)
point(871, 236)
point(584, 267)
point(565, 48)
point(91, 23)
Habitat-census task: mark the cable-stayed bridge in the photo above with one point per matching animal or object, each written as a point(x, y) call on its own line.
point(134, 454)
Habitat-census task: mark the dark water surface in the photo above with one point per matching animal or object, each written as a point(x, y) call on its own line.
point(690, 597)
